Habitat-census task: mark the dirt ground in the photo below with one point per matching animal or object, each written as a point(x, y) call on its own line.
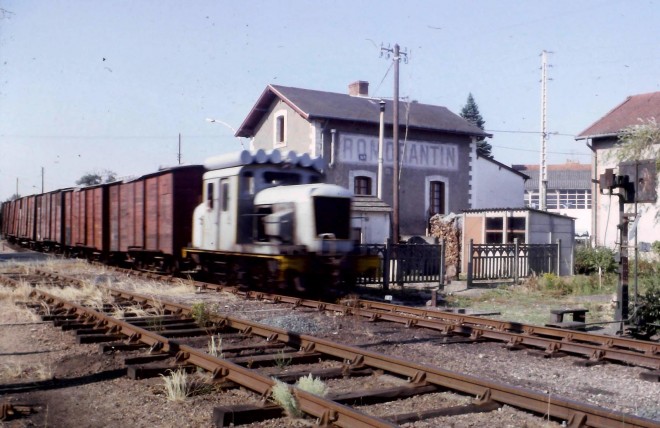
point(70, 385)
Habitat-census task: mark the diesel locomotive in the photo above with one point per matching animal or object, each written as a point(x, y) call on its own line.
point(261, 219)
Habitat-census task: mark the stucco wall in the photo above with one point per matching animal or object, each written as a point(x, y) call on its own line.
point(607, 207)
point(494, 186)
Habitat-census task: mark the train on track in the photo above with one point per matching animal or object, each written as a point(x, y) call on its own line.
point(260, 219)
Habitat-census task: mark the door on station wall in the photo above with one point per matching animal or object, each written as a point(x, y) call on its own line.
point(437, 199)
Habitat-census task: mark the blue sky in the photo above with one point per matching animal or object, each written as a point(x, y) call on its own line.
point(92, 85)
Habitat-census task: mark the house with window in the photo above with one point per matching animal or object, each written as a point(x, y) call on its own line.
point(568, 192)
point(601, 137)
point(440, 171)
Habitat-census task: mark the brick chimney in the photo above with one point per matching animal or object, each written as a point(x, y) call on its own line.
point(359, 88)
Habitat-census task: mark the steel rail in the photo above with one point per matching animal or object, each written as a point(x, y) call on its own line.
point(551, 340)
point(595, 347)
point(575, 413)
point(327, 411)
point(643, 353)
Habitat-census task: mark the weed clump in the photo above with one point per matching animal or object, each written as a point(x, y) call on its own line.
point(282, 395)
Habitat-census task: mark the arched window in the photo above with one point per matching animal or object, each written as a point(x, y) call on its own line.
point(436, 195)
point(362, 182)
point(362, 185)
point(279, 129)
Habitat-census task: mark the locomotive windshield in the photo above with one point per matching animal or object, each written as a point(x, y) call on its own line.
point(279, 178)
point(333, 216)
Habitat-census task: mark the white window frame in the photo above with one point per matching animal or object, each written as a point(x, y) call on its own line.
point(280, 114)
point(427, 191)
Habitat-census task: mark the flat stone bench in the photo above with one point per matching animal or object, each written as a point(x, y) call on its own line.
point(579, 315)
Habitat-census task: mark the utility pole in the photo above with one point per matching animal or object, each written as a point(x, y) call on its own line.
point(543, 171)
point(42, 179)
point(178, 157)
point(395, 138)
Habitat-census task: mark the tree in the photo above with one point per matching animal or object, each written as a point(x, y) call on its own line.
point(638, 142)
point(470, 112)
point(13, 197)
point(96, 177)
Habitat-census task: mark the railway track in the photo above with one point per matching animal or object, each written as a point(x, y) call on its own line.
point(548, 341)
point(94, 325)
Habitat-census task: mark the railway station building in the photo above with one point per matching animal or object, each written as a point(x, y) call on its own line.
point(440, 170)
point(601, 138)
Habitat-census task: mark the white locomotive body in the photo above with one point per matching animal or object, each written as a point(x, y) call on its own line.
point(269, 219)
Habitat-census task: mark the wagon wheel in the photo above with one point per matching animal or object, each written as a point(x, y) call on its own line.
point(295, 281)
point(257, 276)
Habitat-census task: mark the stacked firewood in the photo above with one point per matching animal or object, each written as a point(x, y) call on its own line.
point(448, 228)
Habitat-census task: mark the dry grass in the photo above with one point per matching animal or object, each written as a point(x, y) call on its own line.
point(15, 370)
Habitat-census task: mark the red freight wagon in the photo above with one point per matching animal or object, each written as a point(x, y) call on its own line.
point(50, 209)
point(26, 219)
point(7, 211)
point(11, 220)
point(151, 216)
point(6, 218)
point(85, 221)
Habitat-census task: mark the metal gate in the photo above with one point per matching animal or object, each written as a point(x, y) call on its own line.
point(406, 264)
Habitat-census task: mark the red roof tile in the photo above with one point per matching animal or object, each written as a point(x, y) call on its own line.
point(632, 111)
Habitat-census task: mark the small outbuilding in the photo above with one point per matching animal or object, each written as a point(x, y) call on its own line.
point(499, 226)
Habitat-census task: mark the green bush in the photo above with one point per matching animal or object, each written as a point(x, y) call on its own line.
point(648, 310)
point(656, 247)
point(589, 259)
point(554, 284)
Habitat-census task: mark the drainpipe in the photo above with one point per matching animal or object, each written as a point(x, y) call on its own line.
point(333, 133)
point(595, 199)
point(381, 133)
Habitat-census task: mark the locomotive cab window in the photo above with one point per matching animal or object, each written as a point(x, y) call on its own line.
point(224, 186)
point(277, 178)
point(247, 185)
point(209, 195)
